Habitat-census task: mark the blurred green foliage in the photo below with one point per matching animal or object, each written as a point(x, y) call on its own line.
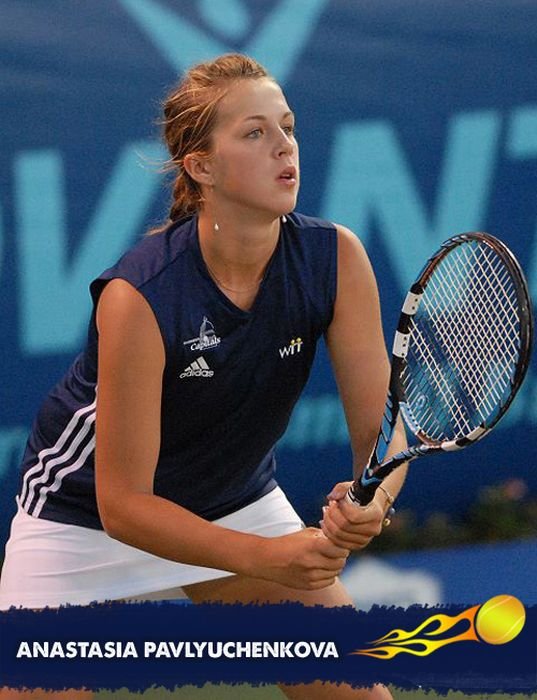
point(503, 512)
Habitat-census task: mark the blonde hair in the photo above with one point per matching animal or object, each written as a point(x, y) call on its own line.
point(190, 113)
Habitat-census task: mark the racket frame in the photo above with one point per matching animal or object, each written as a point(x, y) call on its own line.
point(363, 488)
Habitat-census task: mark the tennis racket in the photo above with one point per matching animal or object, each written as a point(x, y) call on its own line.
point(460, 353)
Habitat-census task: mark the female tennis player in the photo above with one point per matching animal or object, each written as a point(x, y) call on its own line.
point(150, 470)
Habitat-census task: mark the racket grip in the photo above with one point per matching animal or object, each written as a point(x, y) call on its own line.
point(360, 495)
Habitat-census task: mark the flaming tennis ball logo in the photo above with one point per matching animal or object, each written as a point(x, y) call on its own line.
point(497, 621)
point(500, 619)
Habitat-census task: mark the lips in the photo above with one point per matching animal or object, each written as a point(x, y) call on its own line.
point(288, 175)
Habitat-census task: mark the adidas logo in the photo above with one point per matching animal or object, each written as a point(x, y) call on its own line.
point(198, 368)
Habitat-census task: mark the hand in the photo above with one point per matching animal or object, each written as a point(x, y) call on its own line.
point(305, 560)
point(347, 525)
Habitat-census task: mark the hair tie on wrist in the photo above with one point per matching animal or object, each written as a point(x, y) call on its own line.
point(389, 498)
point(388, 518)
point(391, 510)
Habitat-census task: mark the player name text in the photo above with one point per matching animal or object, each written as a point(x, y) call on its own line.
point(176, 650)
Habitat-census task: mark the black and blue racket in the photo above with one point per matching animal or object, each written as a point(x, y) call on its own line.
point(460, 353)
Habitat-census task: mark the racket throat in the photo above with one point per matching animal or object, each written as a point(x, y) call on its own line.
point(363, 490)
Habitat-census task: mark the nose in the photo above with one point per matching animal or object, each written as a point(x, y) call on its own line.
point(285, 144)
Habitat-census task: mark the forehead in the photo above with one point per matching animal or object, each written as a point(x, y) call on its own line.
point(250, 97)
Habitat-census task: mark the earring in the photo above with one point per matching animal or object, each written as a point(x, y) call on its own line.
point(284, 219)
point(216, 227)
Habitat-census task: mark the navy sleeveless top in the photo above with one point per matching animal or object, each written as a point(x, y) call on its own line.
point(230, 381)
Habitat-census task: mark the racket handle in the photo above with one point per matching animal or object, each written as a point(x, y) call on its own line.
point(360, 495)
point(363, 489)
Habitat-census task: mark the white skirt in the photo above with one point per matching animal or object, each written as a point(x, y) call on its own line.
point(51, 564)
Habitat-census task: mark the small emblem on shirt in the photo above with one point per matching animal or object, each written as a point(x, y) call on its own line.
point(198, 368)
point(292, 349)
point(206, 339)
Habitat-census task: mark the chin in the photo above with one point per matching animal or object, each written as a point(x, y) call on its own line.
point(287, 207)
point(273, 207)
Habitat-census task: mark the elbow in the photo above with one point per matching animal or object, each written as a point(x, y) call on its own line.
point(121, 513)
point(110, 515)
point(110, 526)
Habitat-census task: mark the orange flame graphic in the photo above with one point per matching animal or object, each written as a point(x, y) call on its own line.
point(423, 640)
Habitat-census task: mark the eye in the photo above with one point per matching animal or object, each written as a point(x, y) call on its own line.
point(255, 133)
point(289, 129)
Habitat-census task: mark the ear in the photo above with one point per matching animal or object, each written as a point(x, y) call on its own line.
point(199, 168)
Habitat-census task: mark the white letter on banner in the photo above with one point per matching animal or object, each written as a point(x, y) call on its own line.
point(24, 651)
point(12, 444)
point(55, 301)
point(1, 242)
point(370, 179)
point(182, 44)
point(522, 144)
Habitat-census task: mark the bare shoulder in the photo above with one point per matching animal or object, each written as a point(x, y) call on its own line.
point(349, 241)
point(356, 318)
point(354, 267)
point(121, 302)
point(121, 298)
point(125, 319)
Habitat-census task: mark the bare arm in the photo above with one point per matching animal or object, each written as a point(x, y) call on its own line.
point(131, 364)
point(358, 354)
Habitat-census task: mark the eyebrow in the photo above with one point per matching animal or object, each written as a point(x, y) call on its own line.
point(262, 117)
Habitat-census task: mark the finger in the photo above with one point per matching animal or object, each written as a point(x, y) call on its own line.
point(321, 574)
point(339, 491)
point(351, 532)
point(322, 545)
point(333, 512)
point(325, 566)
point(330, 550)
point(325, 547)
point(343, 540)
point(315, 582)
point(359, 514)
point(335, 518)
point(323, 583)
point(349, 536)
point(331, 565)
point(346, 538)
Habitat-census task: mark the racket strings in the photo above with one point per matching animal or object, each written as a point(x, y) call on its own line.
point(484, 320)
point(432, 393)
point(460, 346)
point(465, 343)
point(473, 391)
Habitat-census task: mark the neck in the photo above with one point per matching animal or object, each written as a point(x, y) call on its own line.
point(238, 252)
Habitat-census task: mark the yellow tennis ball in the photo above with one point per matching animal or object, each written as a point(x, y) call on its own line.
point(500, 619)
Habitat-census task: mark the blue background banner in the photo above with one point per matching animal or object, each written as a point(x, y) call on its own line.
point(144, 637)
point(416, 121)
point(458, 575)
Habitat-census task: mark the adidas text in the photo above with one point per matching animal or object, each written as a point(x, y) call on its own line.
point(198, 368)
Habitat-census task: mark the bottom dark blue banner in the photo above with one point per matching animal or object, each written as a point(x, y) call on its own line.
point(488, 647)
